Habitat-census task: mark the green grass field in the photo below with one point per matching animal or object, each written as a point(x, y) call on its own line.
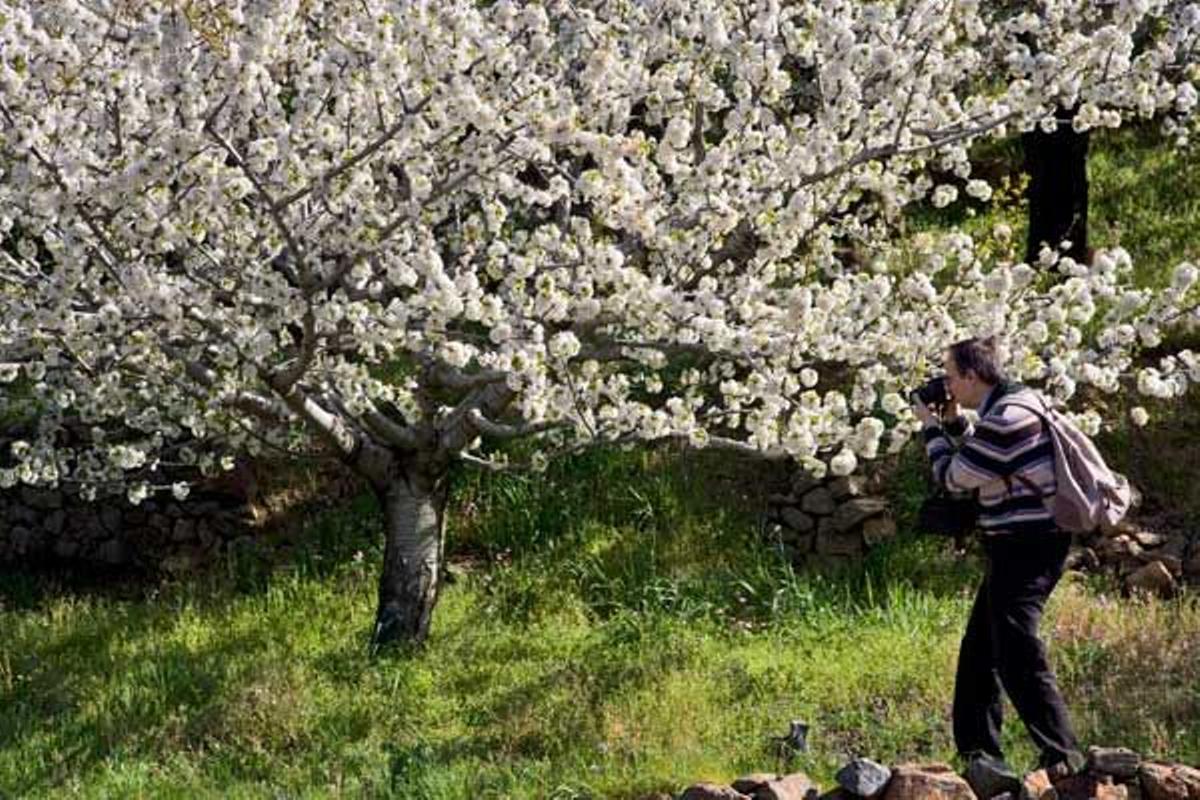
point(614, 628)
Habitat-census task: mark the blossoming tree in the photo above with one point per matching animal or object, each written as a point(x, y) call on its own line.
point(404, 233)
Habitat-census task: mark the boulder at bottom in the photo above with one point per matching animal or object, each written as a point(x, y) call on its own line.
point(927, 782)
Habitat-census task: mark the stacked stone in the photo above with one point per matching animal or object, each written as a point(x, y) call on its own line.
point(1146, 561)
point(829, 520)
point(1110, 774)
point(223, 513)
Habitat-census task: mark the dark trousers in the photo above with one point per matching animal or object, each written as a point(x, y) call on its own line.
point(1001, 648)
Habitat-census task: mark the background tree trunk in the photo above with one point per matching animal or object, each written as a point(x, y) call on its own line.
point(414, 508)
point(1058, 188)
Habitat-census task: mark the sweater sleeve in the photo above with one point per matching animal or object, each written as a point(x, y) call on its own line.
point(985, 455)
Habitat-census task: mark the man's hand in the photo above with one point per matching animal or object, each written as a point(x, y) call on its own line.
point(949, 411)
point(923, 413)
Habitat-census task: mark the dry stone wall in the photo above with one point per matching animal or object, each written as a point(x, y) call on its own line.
point(827, 521)
point(226, 512)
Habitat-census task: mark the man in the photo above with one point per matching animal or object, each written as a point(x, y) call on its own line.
point(1007, 458)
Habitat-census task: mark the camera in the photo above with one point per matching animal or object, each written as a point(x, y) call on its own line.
point(934, 392)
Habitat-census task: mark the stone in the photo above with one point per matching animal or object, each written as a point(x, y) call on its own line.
point(21, 539)
point(1159, 782)
point(847, 486)
point(838, 543)
point(205, 534)
point(1173, 564)
point(110, 518)
point(1083, 558)
point(182, 562)
point(863, 777)
point(1176, 546)
point(1120, 762)
point(749, 784)
point(878, 529)
point(797, 520)
point(802, 482)
point(1191, 778)
point(712, 791)
point(41, 499)
point(926, 782)
point(1088, 786)
point(1150, 538)
point(855, 511)
point(184, 530)
point(1111, 791)
point(66, 548)
point(114, 551)
point(1037, 786)
point(818, 501)
point(796, 786)
point(805, 542)
point(54, 521)
point(1153, 578)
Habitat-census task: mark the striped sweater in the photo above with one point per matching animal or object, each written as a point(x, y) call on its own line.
point(1007, 441)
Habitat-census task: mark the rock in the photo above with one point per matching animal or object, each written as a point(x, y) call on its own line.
point(184, 530)
point(1153, 578)
point(864, 777)
point(182, 562)
point(1191, 778)
point(66, 548)
point(1160, 782)
point(110, 519)
point(21, 539)
point(1173, 564)
point(878, 529)
point(113, 551)
point(53, 524)
point(205, 534)
point(797, 520)
point(749, 784)
point(1083, 558)
point(855, 511)
point(1150, 538)
point(926, 782)
point(1037, 786)
point(41, 499)
point(847, 486)
point(1120, 762)
point(1111, 791)
point(796, 786)
point(802, 482)
point(837, 543)
point(1087, 786)
point(818, 501)
point(1176, 546)
point(711, 791)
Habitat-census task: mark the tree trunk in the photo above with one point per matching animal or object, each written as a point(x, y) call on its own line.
point(414, 508)
point(1058, 189)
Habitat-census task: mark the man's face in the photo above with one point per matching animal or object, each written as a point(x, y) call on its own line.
point(967, 389)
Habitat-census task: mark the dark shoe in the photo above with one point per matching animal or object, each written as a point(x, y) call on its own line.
point(1059, 767)
point(989, 776)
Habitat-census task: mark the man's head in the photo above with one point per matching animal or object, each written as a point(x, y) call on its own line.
point(972, 369)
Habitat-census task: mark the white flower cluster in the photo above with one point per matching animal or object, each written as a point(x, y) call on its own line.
point(259, 227)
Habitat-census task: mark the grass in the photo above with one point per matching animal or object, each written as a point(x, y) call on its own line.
point(638, 641)
point(614, 628)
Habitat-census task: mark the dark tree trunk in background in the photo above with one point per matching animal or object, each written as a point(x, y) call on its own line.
point(414, 507)
point(1058, 189)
